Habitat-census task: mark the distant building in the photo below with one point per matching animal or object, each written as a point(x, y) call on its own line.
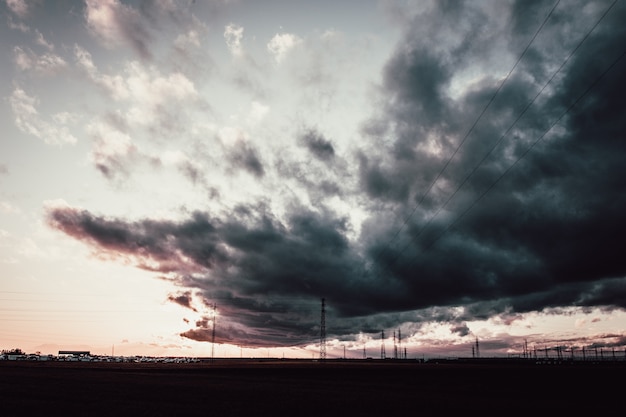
point(75, 352)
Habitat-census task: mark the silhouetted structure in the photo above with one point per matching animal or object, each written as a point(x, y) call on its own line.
point(75, 352)
point(383, 355)
point(213, 332)
point(323, 331)
point(477, 350)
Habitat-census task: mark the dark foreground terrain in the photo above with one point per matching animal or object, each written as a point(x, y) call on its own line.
point(306, 388)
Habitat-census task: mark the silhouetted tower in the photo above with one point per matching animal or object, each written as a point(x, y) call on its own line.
point(400, 344)
point(477, 349)
point(213, 331)
point(395, 346)
point(382, 345)
point(323, 331)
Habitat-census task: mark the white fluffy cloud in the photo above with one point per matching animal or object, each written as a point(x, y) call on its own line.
point(258, 111)
point(114, 85)
point(152, 92)
point(144, 88)
point(111, 149)
point(19, 7)
point(233, 34)
point(40, 40)
point(191, 38)
point(115, 24)
point(280, 45)
point(28, 120)
point(45, 64)
point(102, 19)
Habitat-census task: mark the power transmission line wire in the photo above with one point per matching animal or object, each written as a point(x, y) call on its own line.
point(480, 197)
point(493, 148)
point(471, 129)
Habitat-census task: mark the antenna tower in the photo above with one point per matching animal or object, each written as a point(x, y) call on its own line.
point(213, 332)
point(395, 346)
point(477, 350)
point(323, 331)
point(382, 345)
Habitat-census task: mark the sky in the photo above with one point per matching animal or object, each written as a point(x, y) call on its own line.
point(192, 178)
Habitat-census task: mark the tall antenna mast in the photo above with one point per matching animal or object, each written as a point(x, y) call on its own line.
point(213, 332)
point(477, 350)
point(395, 346)
point(323, 331)
point(382, 345)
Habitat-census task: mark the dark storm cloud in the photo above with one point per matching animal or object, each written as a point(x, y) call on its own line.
point(317, 144)
point(266, 276)
point(548, 234)
point(461, 330)
point(320, 182)
point(321, 177)
point(246, 157)
point(184, 299)
point(530, 229)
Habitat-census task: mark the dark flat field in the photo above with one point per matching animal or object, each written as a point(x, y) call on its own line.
point(305, 388)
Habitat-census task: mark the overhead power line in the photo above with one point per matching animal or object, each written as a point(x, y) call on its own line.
point(482, 195)
point(499, 141)
point(471, 129)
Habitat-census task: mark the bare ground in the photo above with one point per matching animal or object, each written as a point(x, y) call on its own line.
point(304, 388)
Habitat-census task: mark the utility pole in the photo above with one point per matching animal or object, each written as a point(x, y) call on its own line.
point(323, 331)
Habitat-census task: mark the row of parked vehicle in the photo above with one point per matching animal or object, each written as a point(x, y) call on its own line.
point(95, 358)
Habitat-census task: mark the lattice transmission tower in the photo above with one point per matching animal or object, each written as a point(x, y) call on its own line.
point(213, 332)
point(323, 331)
point(383, 354)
